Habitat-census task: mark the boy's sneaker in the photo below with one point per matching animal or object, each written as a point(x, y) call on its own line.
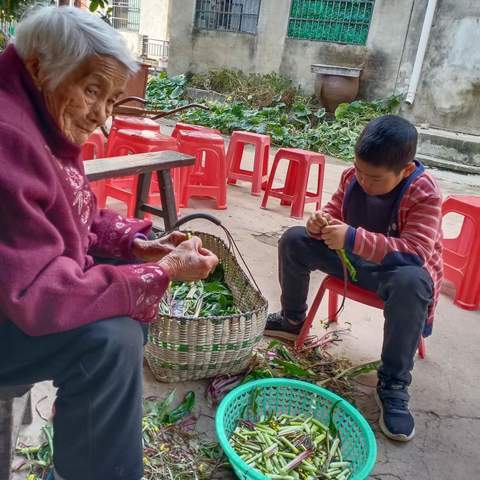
point(280, 327)
point(396, 421)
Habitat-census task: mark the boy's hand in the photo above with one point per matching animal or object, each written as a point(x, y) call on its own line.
point(334, 235)
point(317, 221)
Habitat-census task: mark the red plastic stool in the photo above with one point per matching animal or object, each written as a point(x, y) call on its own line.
point(93, 148)
point(192, 128)
point(295, 188)
point(336, 287)
point(130, 123)
point(461, 255)
point(208, 177)
point(136, 141)
point(259, 175)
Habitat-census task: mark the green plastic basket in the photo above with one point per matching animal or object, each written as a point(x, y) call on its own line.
point(293, 397)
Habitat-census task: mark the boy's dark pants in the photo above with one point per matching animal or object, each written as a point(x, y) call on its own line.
point(98, 370)
point(406, 290)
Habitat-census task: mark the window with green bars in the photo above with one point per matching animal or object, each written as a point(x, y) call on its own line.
point(338, 21)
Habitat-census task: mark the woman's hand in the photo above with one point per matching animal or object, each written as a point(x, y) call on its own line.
point(189, 261)
point(317, 221)
point(154, 250)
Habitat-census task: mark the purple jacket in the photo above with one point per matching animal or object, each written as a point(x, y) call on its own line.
point(49, 226)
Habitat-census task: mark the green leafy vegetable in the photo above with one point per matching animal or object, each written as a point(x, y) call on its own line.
point(204, 298)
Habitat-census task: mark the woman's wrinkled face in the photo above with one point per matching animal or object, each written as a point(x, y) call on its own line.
point(84, 99)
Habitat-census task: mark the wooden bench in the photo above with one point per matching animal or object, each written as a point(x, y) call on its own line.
point(144, 164)
point(15, 409)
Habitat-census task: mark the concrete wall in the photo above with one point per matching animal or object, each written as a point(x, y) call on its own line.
point(154, 18)
point(448, 93)
point(198, 51)
point(153, 22)
point(380, 58)
point(449, 88)
point(271, 50)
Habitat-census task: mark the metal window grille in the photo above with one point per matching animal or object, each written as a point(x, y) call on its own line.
point(153, 48)
point(126, 15)
point(339, 21)
point(227, 15)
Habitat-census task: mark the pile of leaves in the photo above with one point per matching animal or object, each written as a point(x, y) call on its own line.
point(204, 298)
point(294, 122)
point(172, 448)
point(252, 89)
point(313, 364)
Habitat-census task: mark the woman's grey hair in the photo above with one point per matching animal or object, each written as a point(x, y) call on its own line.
point(64, 37)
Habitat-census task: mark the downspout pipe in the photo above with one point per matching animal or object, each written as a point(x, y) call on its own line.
point(421, 50)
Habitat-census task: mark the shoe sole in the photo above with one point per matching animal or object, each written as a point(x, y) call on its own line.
point(282, 335)
point(398, 437)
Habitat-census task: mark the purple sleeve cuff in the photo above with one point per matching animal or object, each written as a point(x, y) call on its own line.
point(141, 236)
point(350, 239)
point(148, 282)
point(113, 234)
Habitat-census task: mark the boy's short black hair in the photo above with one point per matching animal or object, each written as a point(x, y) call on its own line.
point(389, 141)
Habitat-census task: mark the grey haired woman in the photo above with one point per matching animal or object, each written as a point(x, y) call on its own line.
point(64, 317)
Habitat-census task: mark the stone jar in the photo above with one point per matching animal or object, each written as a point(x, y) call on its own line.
point(335, 85)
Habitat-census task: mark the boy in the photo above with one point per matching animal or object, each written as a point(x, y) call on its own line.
point(386, 213)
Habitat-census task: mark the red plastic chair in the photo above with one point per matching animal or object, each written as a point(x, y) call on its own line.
point(259, 175)
point(208, 177)
point(336, 287)
point(461, 255)
point(130, 123)
point(131, 142)
point(294, 191)
point(93, 148)
point(192, 128)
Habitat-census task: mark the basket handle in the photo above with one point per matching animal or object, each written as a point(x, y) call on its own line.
point(216, 221)
point(195, 216)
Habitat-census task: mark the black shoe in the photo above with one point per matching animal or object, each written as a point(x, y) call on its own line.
point(396, 420)
point(280, 327)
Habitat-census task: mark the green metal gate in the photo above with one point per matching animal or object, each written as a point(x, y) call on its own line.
point(339, 21)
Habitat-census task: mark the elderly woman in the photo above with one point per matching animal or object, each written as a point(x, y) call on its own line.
point(63, 317)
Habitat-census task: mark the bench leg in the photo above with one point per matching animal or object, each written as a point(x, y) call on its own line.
point(27, 414)
point(168, 198)
point(6, 438)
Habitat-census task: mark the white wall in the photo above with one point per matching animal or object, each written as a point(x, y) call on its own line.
point(153, 22)
point(154, 18)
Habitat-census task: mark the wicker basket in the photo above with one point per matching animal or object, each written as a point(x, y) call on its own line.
point(181, 348)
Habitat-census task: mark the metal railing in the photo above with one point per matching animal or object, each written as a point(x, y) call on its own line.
point(227, 15)
point(154, 48)
point(126, 15)
point(338, 21)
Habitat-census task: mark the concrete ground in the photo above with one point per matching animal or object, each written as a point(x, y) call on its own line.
point(445, 390)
